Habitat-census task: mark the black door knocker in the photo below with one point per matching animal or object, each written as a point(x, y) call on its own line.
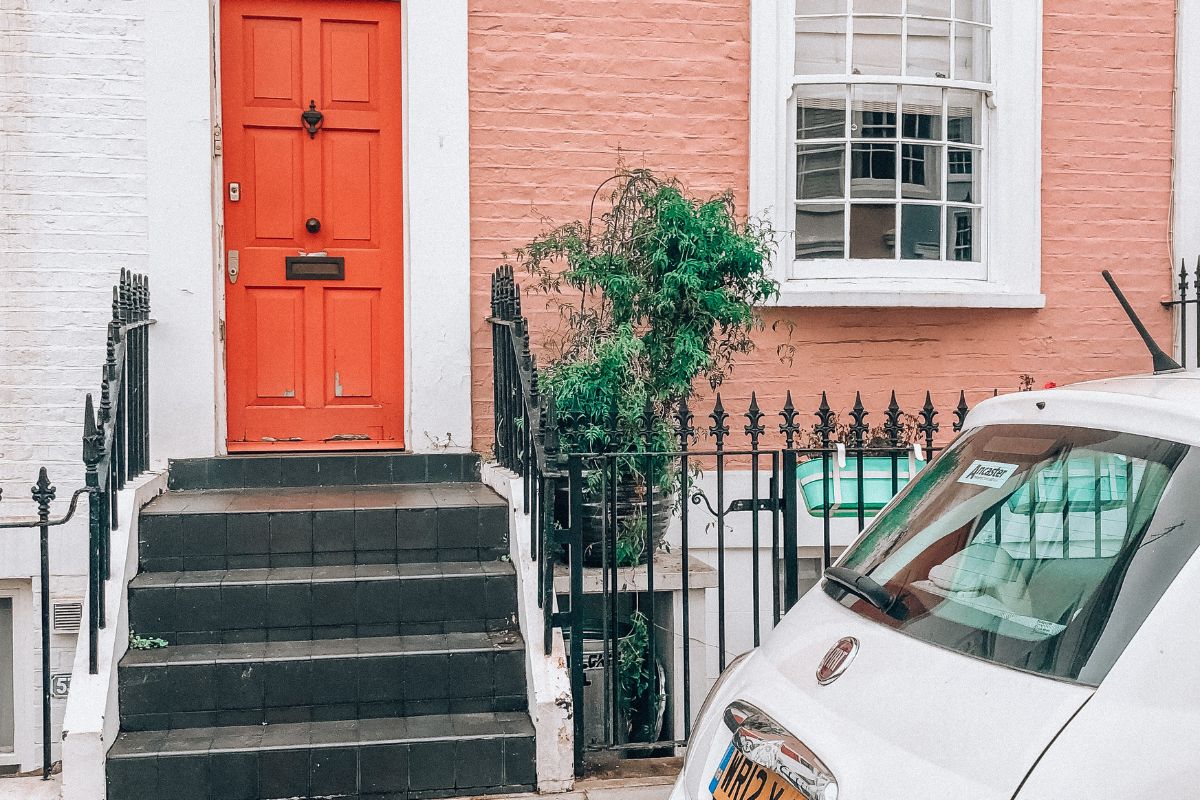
point(312, 119)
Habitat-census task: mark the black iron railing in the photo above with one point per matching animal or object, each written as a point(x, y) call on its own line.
point(800, 477)
point(1187, 305)
point(116, 447)
point(526, 432)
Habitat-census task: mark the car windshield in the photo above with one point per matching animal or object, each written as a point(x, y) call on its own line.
point(1037, 547)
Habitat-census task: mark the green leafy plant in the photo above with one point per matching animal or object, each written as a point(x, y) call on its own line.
point(874, 437)
point(137, 642)
point(631, 541)
point(652, 293)
point(635, 669)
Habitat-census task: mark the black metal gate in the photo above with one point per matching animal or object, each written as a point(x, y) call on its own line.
point(741, 513)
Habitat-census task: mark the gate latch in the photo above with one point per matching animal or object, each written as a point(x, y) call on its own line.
point(764, 504)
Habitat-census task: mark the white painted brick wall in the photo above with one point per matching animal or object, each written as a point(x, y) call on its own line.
point(72, 213)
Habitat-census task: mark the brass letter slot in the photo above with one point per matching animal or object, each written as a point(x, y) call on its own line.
point(316, 268)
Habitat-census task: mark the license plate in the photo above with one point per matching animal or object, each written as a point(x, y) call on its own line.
point(739, 778)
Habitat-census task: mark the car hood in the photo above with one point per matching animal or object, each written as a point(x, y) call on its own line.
point(905, 719)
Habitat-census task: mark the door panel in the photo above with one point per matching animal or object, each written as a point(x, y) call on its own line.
point(349, 207)
point(350, 323)
point(276, 185)
point(273, 59)
point(351, 50)
point(313, 364)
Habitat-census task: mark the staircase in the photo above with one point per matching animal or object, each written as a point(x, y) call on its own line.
point(339, 626)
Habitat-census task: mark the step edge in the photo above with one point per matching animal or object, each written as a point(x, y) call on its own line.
point(518, 644)
point(150, 510)
point(452, 737)
point(254, 580)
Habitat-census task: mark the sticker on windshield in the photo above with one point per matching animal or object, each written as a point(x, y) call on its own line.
point(992, 474)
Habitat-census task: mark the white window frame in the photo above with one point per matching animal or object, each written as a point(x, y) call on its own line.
point(1010, 274)
point(27, 701)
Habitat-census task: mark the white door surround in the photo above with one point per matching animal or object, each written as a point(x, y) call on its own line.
point(186, 253)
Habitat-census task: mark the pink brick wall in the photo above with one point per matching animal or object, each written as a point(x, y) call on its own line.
point(560, 92)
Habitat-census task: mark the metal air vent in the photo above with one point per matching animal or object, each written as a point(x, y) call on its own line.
point(67, 616)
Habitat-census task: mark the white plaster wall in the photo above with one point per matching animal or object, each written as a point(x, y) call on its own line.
point(437, 225)
point(183, 263)
point(1185, 230)
point(92, 716)
point(548, 685)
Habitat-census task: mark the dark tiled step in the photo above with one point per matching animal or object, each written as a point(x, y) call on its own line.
point(243, 529)
point(432, 756)
point(299, 681)
point(335, 602)
point(325, 469)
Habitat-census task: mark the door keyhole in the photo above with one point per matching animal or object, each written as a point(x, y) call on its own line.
point(312, 225)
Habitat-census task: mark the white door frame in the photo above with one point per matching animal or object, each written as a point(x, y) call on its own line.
point(185, 189)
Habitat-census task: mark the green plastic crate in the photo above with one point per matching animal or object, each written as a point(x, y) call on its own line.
point(840, 490)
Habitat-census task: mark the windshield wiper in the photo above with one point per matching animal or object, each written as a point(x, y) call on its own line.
point(862, 586)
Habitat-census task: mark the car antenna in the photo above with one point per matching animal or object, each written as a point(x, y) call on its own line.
point(1162, 361)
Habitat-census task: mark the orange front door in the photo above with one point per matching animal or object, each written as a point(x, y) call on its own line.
point(313, 223)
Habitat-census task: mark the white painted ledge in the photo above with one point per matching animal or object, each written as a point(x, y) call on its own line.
point(92, 718)
point(548, 684)
point(900, 293)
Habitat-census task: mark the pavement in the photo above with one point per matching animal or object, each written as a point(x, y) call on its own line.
point(30, 788)
point(604, 787)
point(590, 789)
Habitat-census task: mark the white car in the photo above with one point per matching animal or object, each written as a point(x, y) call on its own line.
point(1022, 622)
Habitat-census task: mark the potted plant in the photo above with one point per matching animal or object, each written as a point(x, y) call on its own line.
point(653, 291)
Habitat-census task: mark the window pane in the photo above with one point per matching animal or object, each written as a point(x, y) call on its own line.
point(920, 172)
point(878, 7)
point(929, 8)
point(922, 112)
point(973, 10)
point(820, 45)
point(928, 49)
point(873, 230)
point(921, 232)
point(874, 112)
point(965, 116)
point(821, 171)
point(821, 112)
point(822, 6)
point(962, 178)
point(877, 45)
point(962, 234)
point(971, 62)
point(820, 231)
point(873, 169)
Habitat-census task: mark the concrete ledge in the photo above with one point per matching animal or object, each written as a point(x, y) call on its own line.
point(549, 683)
point(92, 719)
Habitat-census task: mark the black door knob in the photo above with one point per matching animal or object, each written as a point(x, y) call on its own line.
point(312, 225)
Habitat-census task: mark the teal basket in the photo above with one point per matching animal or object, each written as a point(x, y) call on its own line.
point(840, 490)
point(1090, 484)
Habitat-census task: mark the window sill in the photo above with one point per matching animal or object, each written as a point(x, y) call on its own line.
point(901, 293)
